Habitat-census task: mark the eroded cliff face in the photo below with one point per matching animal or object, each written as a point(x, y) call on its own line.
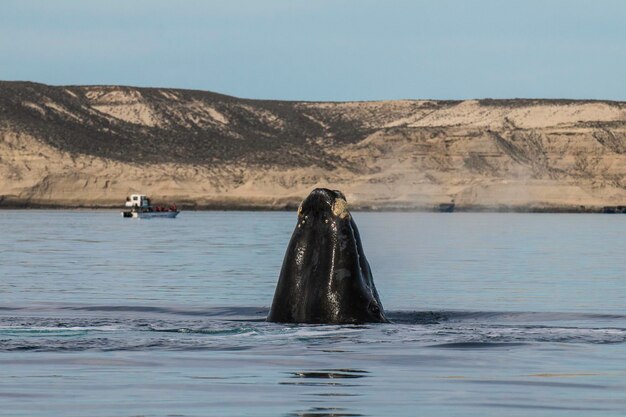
point(92, 146)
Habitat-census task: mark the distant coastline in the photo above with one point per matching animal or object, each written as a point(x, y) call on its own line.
point(90, 146)
point(290, 207)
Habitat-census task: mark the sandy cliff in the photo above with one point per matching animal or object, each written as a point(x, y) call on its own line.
point(92, 146)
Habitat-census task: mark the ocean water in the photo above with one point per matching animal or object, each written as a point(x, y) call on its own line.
point(494, 314)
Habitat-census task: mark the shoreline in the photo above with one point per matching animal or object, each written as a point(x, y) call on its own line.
point(373, 208)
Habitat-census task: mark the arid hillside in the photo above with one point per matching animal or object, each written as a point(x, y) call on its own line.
point(92, 146)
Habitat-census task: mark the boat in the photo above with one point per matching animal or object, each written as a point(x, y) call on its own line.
point(141, 208)
point(446, 207)
point(613, 209)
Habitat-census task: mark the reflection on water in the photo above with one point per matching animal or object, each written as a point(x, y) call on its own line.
point(325, 412)
point(331, 374)
point(493, 314)
point(326, 377)
point(330, 379)
point(476, 345)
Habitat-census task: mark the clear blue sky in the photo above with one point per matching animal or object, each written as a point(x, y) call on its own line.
point(324, 50)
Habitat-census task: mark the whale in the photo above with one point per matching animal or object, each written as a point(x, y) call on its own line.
point(325, 277)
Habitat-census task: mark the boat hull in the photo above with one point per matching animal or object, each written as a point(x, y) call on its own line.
point(151, 214)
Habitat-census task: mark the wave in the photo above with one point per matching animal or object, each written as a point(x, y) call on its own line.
point(252, 313)
point(57, 329)
point(62, 327)
point(207, 312)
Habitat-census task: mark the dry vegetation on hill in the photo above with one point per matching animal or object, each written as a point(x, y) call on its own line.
point(91, 146)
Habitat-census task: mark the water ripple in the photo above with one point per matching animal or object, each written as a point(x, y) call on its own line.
point(148, 327)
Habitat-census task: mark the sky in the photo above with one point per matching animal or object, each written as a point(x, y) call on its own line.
point(335, 50)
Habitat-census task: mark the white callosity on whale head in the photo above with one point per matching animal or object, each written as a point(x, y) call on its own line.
point(340, 208)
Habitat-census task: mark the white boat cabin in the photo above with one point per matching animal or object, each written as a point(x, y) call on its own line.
point(138, 200)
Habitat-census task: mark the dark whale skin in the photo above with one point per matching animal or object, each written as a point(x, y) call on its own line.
point(325, 277)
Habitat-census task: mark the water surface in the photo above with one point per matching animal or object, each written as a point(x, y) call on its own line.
point(494, 314)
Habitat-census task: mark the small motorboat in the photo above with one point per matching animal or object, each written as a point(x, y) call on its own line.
point(141, 208)
point(446, 207)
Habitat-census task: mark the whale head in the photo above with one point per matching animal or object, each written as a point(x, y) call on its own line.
point(325, 277)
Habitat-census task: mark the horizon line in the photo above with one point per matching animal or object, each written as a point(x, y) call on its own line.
point(459, 100)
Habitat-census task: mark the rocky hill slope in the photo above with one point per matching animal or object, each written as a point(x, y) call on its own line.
point(93, 145)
